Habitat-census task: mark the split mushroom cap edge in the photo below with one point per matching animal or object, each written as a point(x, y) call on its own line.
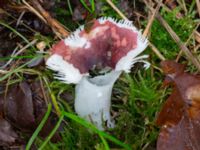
point(109, 43)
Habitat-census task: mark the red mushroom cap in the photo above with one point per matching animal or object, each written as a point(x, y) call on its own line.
point(109, 43)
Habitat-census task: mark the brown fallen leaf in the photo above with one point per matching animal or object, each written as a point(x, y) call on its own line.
point(18, 107)
point(40, 109)
point(24, 107)
point(7, 134)
point(1, 105)
point(180, 116)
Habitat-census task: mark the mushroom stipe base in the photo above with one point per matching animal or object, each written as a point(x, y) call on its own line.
point(93, 99)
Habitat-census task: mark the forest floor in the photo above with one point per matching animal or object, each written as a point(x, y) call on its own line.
point(37, 110)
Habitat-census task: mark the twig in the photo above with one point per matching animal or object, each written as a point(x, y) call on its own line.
point(155, 50)
point(43, 91)
point(197, 36)
point(34, 11)
point(20, 18)
point(168, 9)
point(4, 71)
point(179, 42)
point(197, 47)
point(55, 25)
point(116, 9)
point(161, 3)
point(10, 60)
point(186, 43)
point(19, 52)
point(183, 5)
point(14, 19)
point(181, 45)
point(198, 6)
point(147, 29)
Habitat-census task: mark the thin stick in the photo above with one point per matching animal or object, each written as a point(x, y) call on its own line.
point(116, 9)
point(182, 4)
point(198, 6)
point(161, 3)
point(179, 42)
point(43, 90)
point(147, 29)
point(34, 11)
point(3, 11)
point(156, 51)
point(186, 43)
point(197, 36)
point(18, 52)
point(10, 60)
point(55, 25)
point(181, 45)
point(20, 18)
point(197, 47)
point(3, 71)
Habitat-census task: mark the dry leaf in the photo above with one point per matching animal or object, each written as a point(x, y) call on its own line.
point(24, 108)
point(180, 116)
point(19, 106)
point(7, 134)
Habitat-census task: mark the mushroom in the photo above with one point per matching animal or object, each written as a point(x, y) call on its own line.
point(111, 45)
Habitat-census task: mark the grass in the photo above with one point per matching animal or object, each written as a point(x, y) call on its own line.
point(35, 134)
point(14, 31)
point(92, 3)
point(136, 100)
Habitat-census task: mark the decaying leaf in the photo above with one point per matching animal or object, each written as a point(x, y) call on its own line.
point(7, 134)
point(23, 108)
point(180, 116)
point(19, 106)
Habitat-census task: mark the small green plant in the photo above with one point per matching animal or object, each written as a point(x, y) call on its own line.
point(161, 38)
point(136, 99)
point(135, 124)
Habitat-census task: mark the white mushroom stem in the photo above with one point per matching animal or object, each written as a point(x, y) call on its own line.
point(114, 44)
point(93, 99)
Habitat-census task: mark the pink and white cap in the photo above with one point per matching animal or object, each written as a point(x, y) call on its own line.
point(109, 43)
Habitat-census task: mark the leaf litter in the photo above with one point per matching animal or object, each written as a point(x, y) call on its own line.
point(23, 106)
point(180, 116)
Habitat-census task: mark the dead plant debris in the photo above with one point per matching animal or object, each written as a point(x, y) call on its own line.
point(29, 28)
point(180, 116)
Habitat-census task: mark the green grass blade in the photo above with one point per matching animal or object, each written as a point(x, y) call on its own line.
point(85, 5)
point(93, 5)
point(39, 128)
point(53, 98)
point(18, 69)
point(52, 133)
point(95, 130)
point(70, 7)
point(16, 57)
point(15, 31)
point(104, 142)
